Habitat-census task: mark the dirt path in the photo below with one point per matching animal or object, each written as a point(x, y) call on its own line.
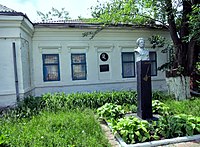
point(109, 135)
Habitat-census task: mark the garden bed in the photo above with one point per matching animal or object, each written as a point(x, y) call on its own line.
point(169, 128)
point(150, 143)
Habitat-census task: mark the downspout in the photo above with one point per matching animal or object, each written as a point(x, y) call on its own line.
point(15, 72)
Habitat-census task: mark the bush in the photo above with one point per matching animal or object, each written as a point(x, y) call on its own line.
point(189, 107)
point(177, 126)
point(88, 100)
point(110, 111)
point(132, 130)
point(161, 96)
point(160, 108)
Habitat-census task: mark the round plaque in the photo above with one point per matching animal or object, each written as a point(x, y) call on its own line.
point(104, 57)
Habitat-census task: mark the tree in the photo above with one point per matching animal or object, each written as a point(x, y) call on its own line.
point(54, 14)
point(181, 17)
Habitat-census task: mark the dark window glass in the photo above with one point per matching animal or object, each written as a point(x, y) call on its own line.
point(128, 64)
point(153, 59)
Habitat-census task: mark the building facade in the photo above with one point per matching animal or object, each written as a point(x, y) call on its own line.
point(37, 58)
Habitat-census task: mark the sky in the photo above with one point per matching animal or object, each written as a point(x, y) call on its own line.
point(30, 7)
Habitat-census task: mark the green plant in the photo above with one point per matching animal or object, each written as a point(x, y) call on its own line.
point(132, 130)
point(160, 108)
point(63, 128)
point(161, 96)
point(189, 107)
point(92, 100)
point(177, 125)
point(2, 139)
point(129, 108)
point(110, 111)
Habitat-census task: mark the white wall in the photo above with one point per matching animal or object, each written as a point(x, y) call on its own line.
point(64, 41)
point(31, 43)
point(13, 29)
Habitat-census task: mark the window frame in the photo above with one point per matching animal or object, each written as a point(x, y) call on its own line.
point(122, 53)
point(82, 63)
point(49, 64)
point(153, 61)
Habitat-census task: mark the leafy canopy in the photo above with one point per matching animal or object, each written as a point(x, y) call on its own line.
point(54, 14)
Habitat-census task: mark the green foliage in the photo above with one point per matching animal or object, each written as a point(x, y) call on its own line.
point(63, 128)
point(177, 125)
point(161, 95)
point(92, 100)
point(160, 108)
point(194, 23)
point(189, 107)
point(54, 14)
point(2, 139)
point(157, 41)
point(140, 12)
point(132, 130)
point(110, 111)
point(27, 108)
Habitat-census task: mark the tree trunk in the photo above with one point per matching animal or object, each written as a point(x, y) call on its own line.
point(179, 86)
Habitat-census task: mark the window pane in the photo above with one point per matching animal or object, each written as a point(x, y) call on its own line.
point(51, 72)
point(153, 69)
point(128, 70)
point(152, 56)
point(79, 71)
point(153, 59)
point(51, 59)
point(128, 57)
point(128, 65)
point(78, 58)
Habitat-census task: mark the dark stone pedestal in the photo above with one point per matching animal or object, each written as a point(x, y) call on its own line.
point(144, 90)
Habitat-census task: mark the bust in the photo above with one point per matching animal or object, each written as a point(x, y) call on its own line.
point(141, 53)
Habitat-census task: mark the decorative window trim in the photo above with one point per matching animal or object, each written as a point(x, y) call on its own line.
point(82, 63)
point(104, 48)
point(49, 64)
point(123, 62)
point(78, 46)
point(43, 49)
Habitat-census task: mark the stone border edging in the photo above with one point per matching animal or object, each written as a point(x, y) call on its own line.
point(156, 142)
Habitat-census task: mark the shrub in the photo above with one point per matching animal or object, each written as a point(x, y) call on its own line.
point(161, 96)
point(160, 108)
point(92, 100)
point(177, 125)
point(132, 130)
point(110, 111)
point(189, 107)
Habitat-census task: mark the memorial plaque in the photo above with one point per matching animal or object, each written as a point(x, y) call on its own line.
point(104, 68)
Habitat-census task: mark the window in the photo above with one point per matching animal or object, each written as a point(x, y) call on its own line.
point(128, 64)
point(78, 62)
point(153, 59)
point(51, 67)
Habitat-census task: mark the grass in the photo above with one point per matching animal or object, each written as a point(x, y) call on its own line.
point(64, 128)
point(190, 107)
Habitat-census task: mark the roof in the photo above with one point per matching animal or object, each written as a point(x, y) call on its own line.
point(10, 12)
point(6, 9)
point(85, 23)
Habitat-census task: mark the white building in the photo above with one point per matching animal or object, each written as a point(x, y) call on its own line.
point(37, 58)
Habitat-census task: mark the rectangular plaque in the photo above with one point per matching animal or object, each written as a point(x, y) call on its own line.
point(104, 68)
